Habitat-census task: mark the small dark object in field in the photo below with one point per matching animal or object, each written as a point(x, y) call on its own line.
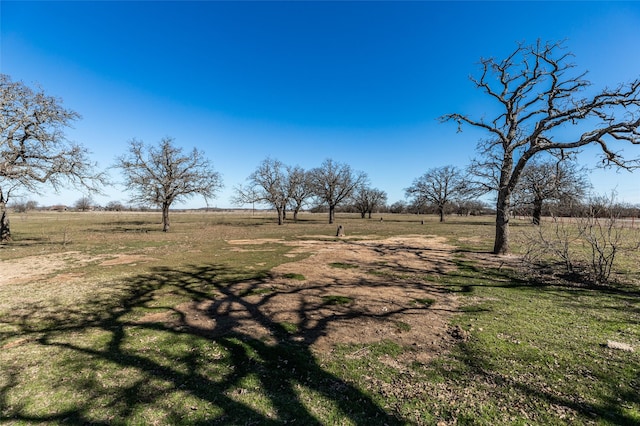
point(340, 232)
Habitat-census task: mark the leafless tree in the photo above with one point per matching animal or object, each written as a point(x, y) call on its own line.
point(84, 203)
point(34, 149)
point(550, 180)
point(22, 206)
point(114, 206)
point(541, 111)
point(398, 207)
point(267, 185)
point(366, 200)
point(438, 186)
point(334, 183)
point(299, 188)
point(160, 175)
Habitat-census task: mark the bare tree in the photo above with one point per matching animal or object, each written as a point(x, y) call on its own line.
point(366, 200)
point(33, 148)
point(438, 186)
point(267, 185)
point(84, 203)
point(299, 188)
point(162, 175)
point(398, 207)
point(114, 206)
point(334, 183)
point(22, 206)
point(540, 111)
point(550, 180)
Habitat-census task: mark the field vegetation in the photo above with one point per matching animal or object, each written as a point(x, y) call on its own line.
point(232, 319)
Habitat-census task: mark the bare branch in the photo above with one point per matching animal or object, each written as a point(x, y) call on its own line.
point(539, 99)
point(33, 148)
point(160, 175)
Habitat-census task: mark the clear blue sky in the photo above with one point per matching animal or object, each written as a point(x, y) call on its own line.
point(360, 82)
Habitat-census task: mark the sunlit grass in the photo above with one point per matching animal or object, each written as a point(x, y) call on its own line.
point(81, 344)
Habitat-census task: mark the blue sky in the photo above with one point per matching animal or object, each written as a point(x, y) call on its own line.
point(359, 82)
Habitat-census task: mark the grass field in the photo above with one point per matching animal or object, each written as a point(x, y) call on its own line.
point(106, 320)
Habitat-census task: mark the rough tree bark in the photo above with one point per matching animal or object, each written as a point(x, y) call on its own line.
point(5, 227)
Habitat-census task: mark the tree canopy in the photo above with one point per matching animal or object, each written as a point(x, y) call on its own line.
point(34, 149)
point(161, 175)
point(550, 180)
point(439, 186)
point(268, 184)
point(334, 183)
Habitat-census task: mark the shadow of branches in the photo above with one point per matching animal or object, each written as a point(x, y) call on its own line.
point(138, 358)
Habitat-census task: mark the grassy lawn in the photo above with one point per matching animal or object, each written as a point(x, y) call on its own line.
point(98, 339)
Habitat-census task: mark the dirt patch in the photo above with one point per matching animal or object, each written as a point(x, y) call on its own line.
point(26, 269)
point(33, 268)
point(347, 291)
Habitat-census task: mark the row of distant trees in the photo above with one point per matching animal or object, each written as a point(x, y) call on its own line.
point(531, 201)
point(544, 113)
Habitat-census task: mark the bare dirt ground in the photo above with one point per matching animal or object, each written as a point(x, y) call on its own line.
point(353, 291)
point(346, 291)
point(32, 268)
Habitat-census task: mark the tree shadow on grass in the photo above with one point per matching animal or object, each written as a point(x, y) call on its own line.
point(525, 391)
point(110, 362)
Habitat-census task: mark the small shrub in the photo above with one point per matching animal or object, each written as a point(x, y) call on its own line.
point(586, 246)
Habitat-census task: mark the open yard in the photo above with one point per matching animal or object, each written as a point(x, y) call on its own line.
point(232, 319)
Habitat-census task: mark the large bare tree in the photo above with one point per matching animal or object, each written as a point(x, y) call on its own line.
point(160, 175)
point(439, 187)
point(334, 183)
point(545, 107)
point(34, 150)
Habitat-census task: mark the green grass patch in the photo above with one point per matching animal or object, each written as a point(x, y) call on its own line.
point(336, 300)
point(91, 343)
point(294, 276)
point(402, 326)
point(343, 265)
point(424, 301)
point(289, 327)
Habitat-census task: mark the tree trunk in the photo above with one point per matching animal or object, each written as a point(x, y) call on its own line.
point(5, 230)
point(501, 244)
point(537, 210)
point(295, 214)
point(370, 214)
point(281, 213)
point(362, 214)
point(441, 213)
point(332, 213)
point(165, 217)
